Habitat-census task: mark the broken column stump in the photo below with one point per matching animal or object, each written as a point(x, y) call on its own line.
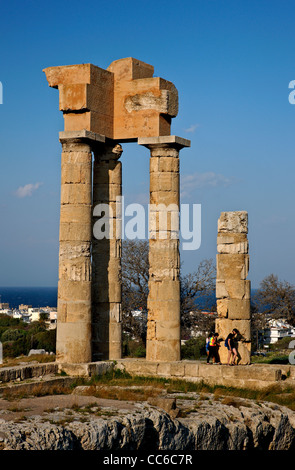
point(233, 290)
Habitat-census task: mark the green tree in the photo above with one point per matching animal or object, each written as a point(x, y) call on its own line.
point(196, 286)
point(45, 340)
point(193, 287)
point(6, 320)
point(12, 334)
point(19, 337)
point(135, 275)
point(194, 348)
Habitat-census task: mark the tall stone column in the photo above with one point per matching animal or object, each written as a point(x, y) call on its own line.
point(233, 290)
point(163, 327)
point(74, 286)
point(106, 253)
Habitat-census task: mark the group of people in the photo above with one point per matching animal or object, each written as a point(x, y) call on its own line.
point(213, 345)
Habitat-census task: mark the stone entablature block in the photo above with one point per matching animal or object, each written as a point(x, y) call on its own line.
point(123, 102)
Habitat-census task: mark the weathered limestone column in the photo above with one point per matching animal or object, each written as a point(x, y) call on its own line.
point(74, 286)
point(233, 290)
point(163, 327)
point(106, 253)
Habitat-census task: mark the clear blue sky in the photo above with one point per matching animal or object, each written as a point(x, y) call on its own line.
point(231, 62)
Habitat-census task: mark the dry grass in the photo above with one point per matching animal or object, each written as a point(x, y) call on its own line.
point(121, 386)
point(40, 358)
point(40, 389)
point(123, 393)
point(229, 401)
point(272, 394)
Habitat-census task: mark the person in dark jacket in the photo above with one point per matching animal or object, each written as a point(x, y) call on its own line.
point(231, 346)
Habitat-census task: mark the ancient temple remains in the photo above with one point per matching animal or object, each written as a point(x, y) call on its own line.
point(232, 287)
point(101, 109)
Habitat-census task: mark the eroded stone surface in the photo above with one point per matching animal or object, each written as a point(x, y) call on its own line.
point(205, 422)
point(123, 102)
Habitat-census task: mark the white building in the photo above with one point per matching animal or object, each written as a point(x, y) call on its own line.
point(34, 313)
point(4, 305)
point(26, 317)
point(6, 311)
point(52, 320)
point(277, 329)
point(28, 314)
point(139, 314)
point(17, 314)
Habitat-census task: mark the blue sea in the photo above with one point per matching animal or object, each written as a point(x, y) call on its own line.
point(47, 297)
point(35, 296)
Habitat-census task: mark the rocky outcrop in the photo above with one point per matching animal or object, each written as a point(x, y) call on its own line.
point(211, 426)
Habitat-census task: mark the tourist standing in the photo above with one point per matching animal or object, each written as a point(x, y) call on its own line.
point(231, 346)
point(213, 349)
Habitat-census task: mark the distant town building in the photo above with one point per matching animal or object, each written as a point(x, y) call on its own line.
point(200, 328)
point(24, 307)
point(26, 317)
point(6, 311)
point(140, 314)
point(52, 320)
point(17, 314)
point(34, 313)
point(4, 306)
point(29, 314)
point(277, 329)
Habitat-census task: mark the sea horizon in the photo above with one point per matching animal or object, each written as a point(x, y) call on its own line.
point(47, 297)
point(34, 296)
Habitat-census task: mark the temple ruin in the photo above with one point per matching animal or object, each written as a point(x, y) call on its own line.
point(103, 109)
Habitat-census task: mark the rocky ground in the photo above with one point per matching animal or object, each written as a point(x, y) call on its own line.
point(192, 421)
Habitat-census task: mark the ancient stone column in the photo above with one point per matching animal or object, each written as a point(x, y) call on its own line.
point(233, 290)
point(74, 286)
point(106, 253)
point(163, 327)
